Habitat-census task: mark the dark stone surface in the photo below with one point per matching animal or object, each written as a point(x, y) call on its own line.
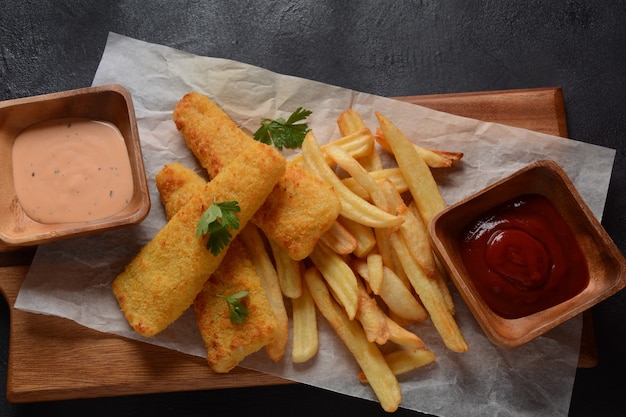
point(388, 48)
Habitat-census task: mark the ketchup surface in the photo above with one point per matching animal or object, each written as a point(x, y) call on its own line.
point(523, 258)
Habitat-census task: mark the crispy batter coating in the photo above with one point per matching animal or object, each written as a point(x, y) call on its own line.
point(177, 184)
point(162, 281)
point(229, 343)
point(301, 207)
point(226, 343)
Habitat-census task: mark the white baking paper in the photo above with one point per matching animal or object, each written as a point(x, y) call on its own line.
point(72, 278)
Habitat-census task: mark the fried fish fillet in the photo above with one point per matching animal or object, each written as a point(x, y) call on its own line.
point(162, 281)
point(226, 343)
point(300, 208)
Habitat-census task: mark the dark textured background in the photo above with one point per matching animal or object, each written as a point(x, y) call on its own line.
point(389, 48)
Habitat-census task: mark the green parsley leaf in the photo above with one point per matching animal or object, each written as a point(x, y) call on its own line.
point(217, 221)
point(236, 311)
point(284, 133)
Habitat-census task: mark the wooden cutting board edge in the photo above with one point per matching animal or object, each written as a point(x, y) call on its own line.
point(51, 358)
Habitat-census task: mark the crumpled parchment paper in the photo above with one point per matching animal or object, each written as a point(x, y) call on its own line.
point(72, 278)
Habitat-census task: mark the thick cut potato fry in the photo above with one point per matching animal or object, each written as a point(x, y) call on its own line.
point(439, 274)
point(162, 281)
point(375, 272)
point(253, 241)
point(434, 158)
point(357, 144)
point(431, 297)
point(392, 174)
point(371, 162)
point(352, 206)
point(413, 230)
point(339, 239)
point(364, 235)
point(365, 180)
point(305, 337)
point(396, 295)
point(368, 356)
point(288, 271)
point(372, 318)
point(339, 277)
point(383, 245)
point(405, 360)
point(420, 180)
point(350, 121)
point(401, 336)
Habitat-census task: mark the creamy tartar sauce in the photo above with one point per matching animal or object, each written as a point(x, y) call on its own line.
point(71, 170)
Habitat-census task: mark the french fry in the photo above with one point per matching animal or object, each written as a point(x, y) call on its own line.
point(431, 297)
point(372, 318)
point(375, 272)
point(433, 158)
point(339, 239)
point(352, 206)
point(253, 241)
point(371, 162)
point(383, 245)
point(405, 360)
point(364, 235)
point(305, 335)
point(413, 230)
point(357, 144)
point(339, 277)
point(350, 121)
point(372, 362)
point(365, 180)
point(439, 275)
point(392, 174)
point(401, 336)
point(417, 174)
point(396, 295)
point(288, 271)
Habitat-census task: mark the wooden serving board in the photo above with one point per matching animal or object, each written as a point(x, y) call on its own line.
point(51, 358)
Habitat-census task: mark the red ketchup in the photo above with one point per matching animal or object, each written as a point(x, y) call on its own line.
point(523, 257)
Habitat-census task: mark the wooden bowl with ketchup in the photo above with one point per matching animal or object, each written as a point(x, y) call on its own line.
point(526, 253)
point(71, 165)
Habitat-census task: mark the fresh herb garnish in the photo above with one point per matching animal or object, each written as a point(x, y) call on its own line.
point(217, 221)
point(236, 311)
point(281, 132)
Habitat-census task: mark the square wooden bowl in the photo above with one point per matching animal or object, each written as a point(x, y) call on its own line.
point(109, 103)
point(606, 265)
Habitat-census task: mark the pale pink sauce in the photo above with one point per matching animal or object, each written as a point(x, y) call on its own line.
point(71, 170)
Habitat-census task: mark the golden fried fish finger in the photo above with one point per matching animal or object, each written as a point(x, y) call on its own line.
point(300, 208)
point(226, 343)
point(161, 282)
point(229, 343)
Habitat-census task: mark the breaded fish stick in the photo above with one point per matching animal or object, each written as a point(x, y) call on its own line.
point(300, 208)
point(161, 282)
point(177, 184)
point(226, 343)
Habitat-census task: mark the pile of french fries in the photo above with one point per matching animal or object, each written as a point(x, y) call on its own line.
point(374, 272)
